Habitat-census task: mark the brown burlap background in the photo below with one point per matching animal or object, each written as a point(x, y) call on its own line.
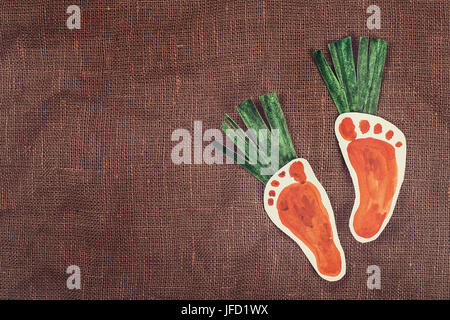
point(86, 176)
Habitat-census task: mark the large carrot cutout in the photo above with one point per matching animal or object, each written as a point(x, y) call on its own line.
point(373, 148)
point(294, 199)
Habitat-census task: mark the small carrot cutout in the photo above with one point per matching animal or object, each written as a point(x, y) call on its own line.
point(303, 211)
point(294, 199)
point(373, 148)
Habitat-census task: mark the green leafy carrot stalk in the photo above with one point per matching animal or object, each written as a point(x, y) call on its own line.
point(275, 117)
point(253, 120)
point(354, 91)
point(377, 58)
point(363, 72)
point(241, 140)
point(337, 92)
point(342, 55)
point(244, 142)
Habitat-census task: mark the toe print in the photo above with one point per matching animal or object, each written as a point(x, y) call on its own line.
point(299, 206)
point(377, 129)
point(389, 135)
point(377, 163)
point(347, 129)
point(364, 126)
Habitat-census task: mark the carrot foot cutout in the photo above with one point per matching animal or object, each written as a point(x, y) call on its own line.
point(373, 148)
point(297, 204)
point(293, 198)
point(375, 153)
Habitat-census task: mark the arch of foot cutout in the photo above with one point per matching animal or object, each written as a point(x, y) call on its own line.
point(297, 203)
point(375, 153)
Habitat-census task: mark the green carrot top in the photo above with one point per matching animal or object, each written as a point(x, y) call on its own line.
point(256, 147)
point(354, 90)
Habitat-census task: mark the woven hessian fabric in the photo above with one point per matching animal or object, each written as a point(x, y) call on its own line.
point(86, 176)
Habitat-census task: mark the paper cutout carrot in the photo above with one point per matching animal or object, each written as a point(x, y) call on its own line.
point(373, 148)
point(293, 198)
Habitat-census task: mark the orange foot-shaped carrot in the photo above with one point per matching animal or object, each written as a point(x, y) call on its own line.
point(375, 153)
point(297, 203)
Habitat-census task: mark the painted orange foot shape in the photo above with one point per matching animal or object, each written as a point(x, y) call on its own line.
point(297, 203)
point(375, 153)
